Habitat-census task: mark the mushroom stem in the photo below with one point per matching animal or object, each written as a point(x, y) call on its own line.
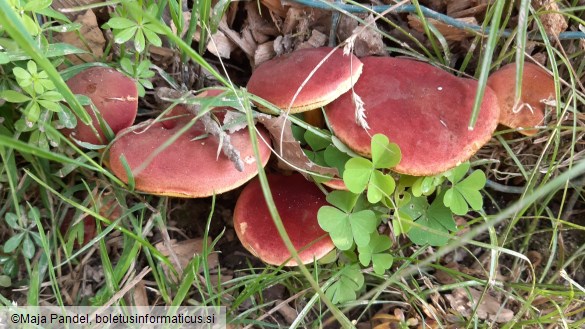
point(210, 125)
point(314, 118)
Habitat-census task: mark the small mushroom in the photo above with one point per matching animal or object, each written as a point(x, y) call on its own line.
point(115, 97)
point(297, 201)
point(537, 87)
point(190, 166)
point(279, 80)
point(423, 109)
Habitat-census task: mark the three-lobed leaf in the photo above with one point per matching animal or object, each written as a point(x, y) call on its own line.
point(435, 221)
point(464, 193)
point(376, 253)
point(351, 279)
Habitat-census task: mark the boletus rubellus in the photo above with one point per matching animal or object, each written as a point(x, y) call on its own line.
point(115, 97)
point(537, 87)
point(423, 109)
point(190, 166)
point(305, 80)
point(297, 201)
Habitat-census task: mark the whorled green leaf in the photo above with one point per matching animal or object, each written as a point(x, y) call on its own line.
point(12, 96)
point(120, 23)
point(11, 244)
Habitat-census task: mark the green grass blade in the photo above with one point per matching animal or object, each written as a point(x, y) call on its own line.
point(486, 61)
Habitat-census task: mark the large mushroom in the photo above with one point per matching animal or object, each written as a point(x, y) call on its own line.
point(297, 201)
point(423, 109)
point(190, 166)
point(537, 87)
point(115, 97)
point(289, 82)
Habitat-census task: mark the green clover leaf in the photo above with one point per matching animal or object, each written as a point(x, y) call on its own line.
point(343, 225)
point(375, 252)
point(464, 193)
point(435, 217)
point(351, 279)
point(360, 173)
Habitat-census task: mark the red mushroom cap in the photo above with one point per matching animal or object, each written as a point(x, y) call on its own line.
point(423, 109)
point(189, 167)
point(114, 95)
point(298, 202)
point(537, 85)
point(278, 80)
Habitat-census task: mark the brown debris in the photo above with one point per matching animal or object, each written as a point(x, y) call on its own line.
point(465, 300)
point(465, 8)
point(553, 21)
point(220, 45)
point(291, 155)
point(91, 39)
point(316, 40)
point(181, 253)
point(368, 40)
point(264, 52)
point(450, 33)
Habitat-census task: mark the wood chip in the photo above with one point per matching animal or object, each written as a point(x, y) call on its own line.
point(264, 52)
point(316, 40)
point(245, 43)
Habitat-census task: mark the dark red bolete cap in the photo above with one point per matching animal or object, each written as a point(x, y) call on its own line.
point(114, 95)
point(537, 85)
point(298, 202)
point(423, 109)
point(190, 167)
point(279, 79)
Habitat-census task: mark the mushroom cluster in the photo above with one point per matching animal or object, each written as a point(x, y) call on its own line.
point(420, 107)
point(423, 109)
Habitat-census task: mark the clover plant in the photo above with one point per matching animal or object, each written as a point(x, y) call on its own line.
point(420, 208)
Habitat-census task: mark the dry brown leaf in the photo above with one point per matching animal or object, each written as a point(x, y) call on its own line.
point(93, 40)
point(553, 21)
point(290, 149)
point(181, 253)
point(465, 301)
point(220, 45)
point(262, 30)
point(276, 7)
point(245, 41)
point(450, 32)
point(139, 294)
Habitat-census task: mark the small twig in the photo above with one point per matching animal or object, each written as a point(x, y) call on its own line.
point(211, 126)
